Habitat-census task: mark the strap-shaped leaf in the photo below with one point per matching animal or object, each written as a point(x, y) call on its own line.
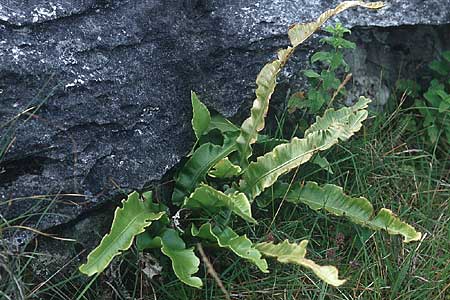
point(298, 33)
point(224, 169)
point(326, 132)
point(200, 116)
point(129, 221)
point(267, 78)
point(206, 197)
point(358, 209)
point(198, 165)
point(295, 254)
point(266, 82)
point(227, 238)
point(184, 261)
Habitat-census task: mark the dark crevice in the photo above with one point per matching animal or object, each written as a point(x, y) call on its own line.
point(111, 48)
point(197, 8)
point(107, 207)
point(12, 169)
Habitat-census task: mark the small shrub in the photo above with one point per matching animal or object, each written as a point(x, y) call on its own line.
point(434, 104)
point(325, 86)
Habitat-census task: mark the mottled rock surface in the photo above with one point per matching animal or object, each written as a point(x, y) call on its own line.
point(95, 94)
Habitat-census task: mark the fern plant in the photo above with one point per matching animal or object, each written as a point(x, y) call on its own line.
point(221, 179)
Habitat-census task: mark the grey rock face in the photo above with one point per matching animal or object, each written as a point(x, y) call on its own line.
point(95, 94)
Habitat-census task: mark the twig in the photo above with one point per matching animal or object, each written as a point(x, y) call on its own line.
point(341, 86)
point(40, 233)
point(211, 271)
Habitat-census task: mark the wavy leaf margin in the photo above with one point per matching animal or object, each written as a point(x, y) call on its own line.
point(224, 169)
point(129, 220)
point(227, 238)
point(207, 197)
point(358, 209)
point(328, 130)
point(287, 252)
point(184, 261)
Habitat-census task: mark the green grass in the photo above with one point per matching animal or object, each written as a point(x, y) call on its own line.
point(392, 167)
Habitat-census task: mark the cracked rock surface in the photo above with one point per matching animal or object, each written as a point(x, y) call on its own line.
point(94, 95)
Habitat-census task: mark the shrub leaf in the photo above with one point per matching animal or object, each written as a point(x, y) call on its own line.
point(129, 221)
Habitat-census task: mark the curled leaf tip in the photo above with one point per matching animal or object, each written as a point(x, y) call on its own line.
point(359, 210)
point(393, 225)
point(293, 253)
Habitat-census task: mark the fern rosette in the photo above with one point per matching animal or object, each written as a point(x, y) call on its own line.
point(222, 177)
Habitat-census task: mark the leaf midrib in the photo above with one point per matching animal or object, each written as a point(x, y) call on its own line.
point(206, 167)
point(286, 163)
point(113, 242)
point(335, 141)
point(344, 213)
